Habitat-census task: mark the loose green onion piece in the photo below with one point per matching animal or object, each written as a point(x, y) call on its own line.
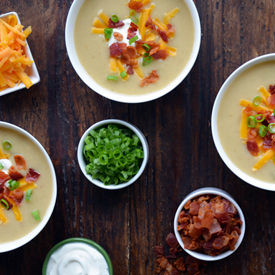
point(108, 33)
point(132, 13)
point(146, 47)
point(5, 203)
point(251, 122)
point(123, 74)
point(112, 77)
point(271, 128)
point(1, 166)
point(114, 18)
point(274, 112)
point(135, 20)
point(260, 118)
point(36, 215)
point(28, 195)
point(257, 101)
point(13, 184)
point(147, 59)
point(262, 131)
point(133, 39)
point(6, 145)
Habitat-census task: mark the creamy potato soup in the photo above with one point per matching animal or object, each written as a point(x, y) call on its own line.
point(25, 185)
point(160, 36)
point(246, 121)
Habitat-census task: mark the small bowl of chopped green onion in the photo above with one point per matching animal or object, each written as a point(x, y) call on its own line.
point(112, 154)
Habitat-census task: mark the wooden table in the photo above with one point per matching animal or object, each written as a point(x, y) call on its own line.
point(130, 222)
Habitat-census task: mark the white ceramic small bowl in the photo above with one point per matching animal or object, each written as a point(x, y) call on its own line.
point(33, 72)
point(90, 82)
point(82, 163)
point(27, 238)
point(214, 123)
point(209, 191)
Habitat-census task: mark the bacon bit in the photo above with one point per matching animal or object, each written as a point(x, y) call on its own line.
point(116, 49)
point(3, 177)
point(252, 147)
point(135, 5)
point(163, 35)
point(252, 134)
point(32, 176)
point(249, 111)
point(129, 57)
point(118, 36)
point(272, 89)
point(132, 30)
point(14, 174)
point(171, 30)
point(17, 196)
point(154, 50)
point(20, 162)
point(149, 24)
point(161, 54)
point(270, 118)
point(113, 25)
point(271, 101)
point(130, 70)
point(152, 78)
point(267, 141)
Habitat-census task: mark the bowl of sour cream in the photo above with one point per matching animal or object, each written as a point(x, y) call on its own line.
point(77, 256)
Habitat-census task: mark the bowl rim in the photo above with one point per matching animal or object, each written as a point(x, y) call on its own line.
point(119, 97)
point(211, 191)
point(95, 245)
point(214, 119)
point(35, 78)
point(8, 246)
point(81, 161)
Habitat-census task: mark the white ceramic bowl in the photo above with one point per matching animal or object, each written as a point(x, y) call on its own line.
point(90, 82)
point(27, 238)
point(214, 124)
point(209, 191)
point(82, 163)
point(34, 75)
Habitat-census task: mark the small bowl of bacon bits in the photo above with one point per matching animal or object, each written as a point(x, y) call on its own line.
point(209, 225)
point(17, 68)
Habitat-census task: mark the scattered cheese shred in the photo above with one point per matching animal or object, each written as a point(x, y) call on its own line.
point(247, 103)
point(172, 51)
point(97, 30)
point(3, 156)
point(145, 2)
point(29, 186)
point(264, 93)
point(98, 24)
point(3, 218)
point(244, 128)
point(113, 65)
point(265, 158)
point(103, 17)
point(160, 25)
point(143, 19)
point(121, 68)
point(139, 72)
point(168, 16)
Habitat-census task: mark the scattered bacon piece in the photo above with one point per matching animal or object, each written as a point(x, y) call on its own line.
point(152, 78)
point(113, 25)
point(249, 111)
point(271, 101)
point(171, 30)
point(135, 5)
point(132, 30)
point(270, 118)
point(20, 162)
point(117, 48)
point(130, 70)
point(163, 35)
point(118, 36)
point(17, 196)
point(3, 177)
point(14, 174)
point(149, 24)
point(32, 176)
point(272, 89)
point(252, 147)
point(161, 54)
point(252, 134)
point(267, 141)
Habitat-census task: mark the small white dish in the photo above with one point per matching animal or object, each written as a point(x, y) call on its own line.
point(4, 247)
point(214, 124)
point(32, 71)
point(82, 163)
point(209, 191)
point(92, 84)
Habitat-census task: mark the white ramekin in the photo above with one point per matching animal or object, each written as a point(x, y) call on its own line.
point(82, 163)
point(4, 247)
point(214, 124)
point(209, 191)
point(34, 76)
point(90, 82)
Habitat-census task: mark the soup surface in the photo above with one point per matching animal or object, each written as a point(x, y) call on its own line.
point(245, 86)
point(41, 195)
point(93, 50)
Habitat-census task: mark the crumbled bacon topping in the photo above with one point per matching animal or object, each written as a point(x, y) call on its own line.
point(118, 36)
point(272, 89)
point(132, 31)
point(113, 25)
point(32, 176)
point(20, 162)
point(14, 174)
point(117, 48)
point(209, 225)
point(160, 54)
point(151, 78)
point(135, 5)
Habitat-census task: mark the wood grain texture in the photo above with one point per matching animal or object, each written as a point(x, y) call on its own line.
point(128, 223)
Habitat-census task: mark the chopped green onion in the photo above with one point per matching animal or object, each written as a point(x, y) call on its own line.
point(251, 122)
point(262, 131)
point(28, 195)
point(5, 203)
point(1, 166)
point(108, 33)
point(147, 59)
point(274, 112)
point(146, 47)
point(13, 184)
point(112, 77)
point(257, 101)
point(133, 39)
point(132, 13)
point(36, 215)
point(114, 18)
point(260, 118)
point(271, 128)
point(123, 74)
point(6, 145)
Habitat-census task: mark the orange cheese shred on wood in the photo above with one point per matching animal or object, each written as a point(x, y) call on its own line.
point(13, 59)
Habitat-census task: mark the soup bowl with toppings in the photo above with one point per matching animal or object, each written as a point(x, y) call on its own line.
point(243, 122)
point(209, 224)
point(27, 187)
point(133, 51)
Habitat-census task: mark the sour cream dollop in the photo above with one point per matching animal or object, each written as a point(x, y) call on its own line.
point(6, 165)
point(124, 32)
point(77, 259)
